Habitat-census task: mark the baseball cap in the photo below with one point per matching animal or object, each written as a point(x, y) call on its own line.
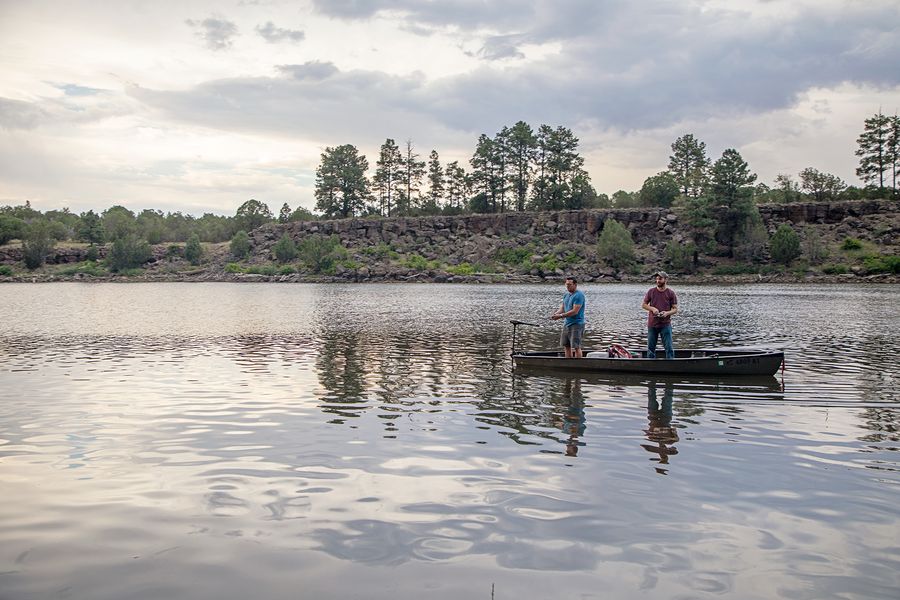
point(662, 274)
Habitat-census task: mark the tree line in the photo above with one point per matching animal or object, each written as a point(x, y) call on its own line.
point(516, 169)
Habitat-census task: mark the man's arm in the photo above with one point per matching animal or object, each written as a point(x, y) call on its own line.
point(568, 313)
point(646, 306)
point(559, 312)
point(670, 312)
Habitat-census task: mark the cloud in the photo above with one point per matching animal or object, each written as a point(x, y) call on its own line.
point(17, 114)
point(72, 109)
point(218, 34)
point(501, 46)
point(313, 70)
point(465, 14)
point(274, 34)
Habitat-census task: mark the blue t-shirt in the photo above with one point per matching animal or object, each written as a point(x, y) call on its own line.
point(569, 301)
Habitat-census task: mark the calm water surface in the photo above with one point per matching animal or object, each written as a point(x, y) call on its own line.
point(219, 441)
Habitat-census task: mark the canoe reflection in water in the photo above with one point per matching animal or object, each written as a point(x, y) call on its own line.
point(660, 431)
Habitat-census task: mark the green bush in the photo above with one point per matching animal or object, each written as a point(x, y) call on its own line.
point(749, 241)
point(127, 252)
point(784, 246)
point(240, 245)
point(417, 262)
point(835, 269)
point(87, 268)
point(11, 228)
point(882, 264)
point(461, 269)
point(193, 251)
point(173, 251)
point(850, 243)
point(681, 256)
point(514, 256)
point(381, 251)
point(285, 249)
point(321, 253)
point(286, 270)
point(262, 270)
point(548, 265)
point(92, 254)
point(615, 245)
point(37, 243)
point(6, 271)
point(233, 268)
point(814, 247)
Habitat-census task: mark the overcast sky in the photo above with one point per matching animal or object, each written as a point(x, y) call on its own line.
point(199, 105)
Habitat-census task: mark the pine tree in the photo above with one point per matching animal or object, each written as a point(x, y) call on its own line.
point(387, 177)
point(412, 172)
point(457, 185)
point(285, 214)
point(688, 164)
point(435, 183)
point(873, 153)
point(341, 184)
point(521, 148)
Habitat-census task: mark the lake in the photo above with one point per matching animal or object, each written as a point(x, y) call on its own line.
point(219, 441)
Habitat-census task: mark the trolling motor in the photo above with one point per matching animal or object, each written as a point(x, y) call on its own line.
point(516, 324)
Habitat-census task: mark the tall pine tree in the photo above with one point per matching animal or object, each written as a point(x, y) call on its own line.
point(688, 164)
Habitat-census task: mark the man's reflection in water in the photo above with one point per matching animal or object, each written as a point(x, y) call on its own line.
point(659, 430)
point(573, 421)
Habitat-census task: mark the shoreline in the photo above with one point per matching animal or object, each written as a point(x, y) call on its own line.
point(478, 278)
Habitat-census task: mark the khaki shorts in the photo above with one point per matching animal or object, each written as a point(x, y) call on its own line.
point(571, 336)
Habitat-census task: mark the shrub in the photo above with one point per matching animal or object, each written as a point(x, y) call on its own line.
point(127, 252)
point(286, 270)
point(381, 251)
point(514, 256)
point(882, 264)
point(850, 243)
point(735, 269)
point(321, 253)
point(262, 270)
point(87, 268)
point(461, 269)
point(11, 228)
point(92, 254)
point(784, 245)
point(173, 251)
point(548, 265)
point(417, 262)
point(615, 245)
point(285, 249)
point(37, 243)
point(749, 242)
point(240, 245)
point(233, 268)
point(681, 256)
point(813, 246)
point(193, 251)
point(835, 269)
point(6, 270)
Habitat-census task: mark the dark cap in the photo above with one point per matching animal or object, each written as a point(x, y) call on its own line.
point(662, 274)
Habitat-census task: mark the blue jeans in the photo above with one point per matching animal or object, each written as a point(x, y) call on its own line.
point(665, 332)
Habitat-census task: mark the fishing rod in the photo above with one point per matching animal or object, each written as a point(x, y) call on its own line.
point(515, 324)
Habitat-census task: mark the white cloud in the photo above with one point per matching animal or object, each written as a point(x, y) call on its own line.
point(121, 102)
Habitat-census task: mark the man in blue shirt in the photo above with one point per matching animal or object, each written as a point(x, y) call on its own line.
point(572, 309)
